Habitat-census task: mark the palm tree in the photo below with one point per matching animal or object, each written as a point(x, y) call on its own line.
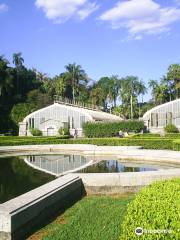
point(153, 84)
point(174, 74)
point(18, 60)
point(75, 76)
point(160, 92)
point(130, 89)
point(114, 85)
point(5, 76)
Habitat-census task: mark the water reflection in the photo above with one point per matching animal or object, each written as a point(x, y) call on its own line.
point(16, 178)
point(113, 166)
point(57, 164)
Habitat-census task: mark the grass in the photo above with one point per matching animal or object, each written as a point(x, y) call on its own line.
point(92, 218)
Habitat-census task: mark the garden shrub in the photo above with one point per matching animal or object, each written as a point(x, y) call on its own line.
point(35, 132)
point(171, 128)
point(146, 135)
point(153, 143)
point(156, 207)
point(111, 129)
point(176, 145)
point(63, 131)
point(172, 135)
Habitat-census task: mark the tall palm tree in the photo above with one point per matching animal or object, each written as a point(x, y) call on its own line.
point(75, 76)
point(153, 85)
point(160, 92)
point(5, 76)
point(114, 85)
point(130, 89)
point(174, 74)
point(18, 60)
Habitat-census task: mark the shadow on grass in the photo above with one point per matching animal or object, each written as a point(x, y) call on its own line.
point(48, 215)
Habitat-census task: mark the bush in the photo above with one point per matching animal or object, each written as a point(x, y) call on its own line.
point(176, 145)
point(35, 132)
point(146, 135)
point(171, 128)
point(155, 207)
point(145, 143)
point(172, 135)
point(63, 131)
point(111, 129)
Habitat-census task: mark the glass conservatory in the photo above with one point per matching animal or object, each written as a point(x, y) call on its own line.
point(50, 119)
point(158, 117)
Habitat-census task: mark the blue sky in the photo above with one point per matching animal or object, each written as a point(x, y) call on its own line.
point(136, 37)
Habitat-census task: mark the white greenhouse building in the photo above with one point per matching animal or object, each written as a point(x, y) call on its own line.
point(49, 119)
point(158, 117)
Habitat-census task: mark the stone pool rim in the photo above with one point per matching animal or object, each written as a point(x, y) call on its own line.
point(93, 183)
point(133, 153)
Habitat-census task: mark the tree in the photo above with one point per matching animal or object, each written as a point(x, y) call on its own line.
point(75, 77)
point(174, 74)
point(114, 85)
point(60, 85)
point(130, 89)
point(5, 76)
point(18, 60)
point(160, 91)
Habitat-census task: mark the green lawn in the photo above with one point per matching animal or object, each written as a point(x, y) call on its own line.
point(147, 143)
point(92, 218)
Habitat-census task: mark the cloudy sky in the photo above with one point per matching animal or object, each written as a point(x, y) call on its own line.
point(125, 37)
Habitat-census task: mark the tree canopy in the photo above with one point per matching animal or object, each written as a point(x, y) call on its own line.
point(23, 90)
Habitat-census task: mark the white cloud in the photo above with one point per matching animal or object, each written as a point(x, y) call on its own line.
point(62, 10)
point(3, 7)
point(141, 17)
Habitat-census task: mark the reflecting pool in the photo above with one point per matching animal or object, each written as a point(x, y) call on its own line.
point(16, 178)
point(57, 164)
point(113, 166)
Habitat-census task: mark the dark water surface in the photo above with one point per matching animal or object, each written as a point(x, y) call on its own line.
point(114, 166)
point(16, 178)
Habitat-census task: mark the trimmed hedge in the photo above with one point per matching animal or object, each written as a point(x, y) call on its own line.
point(146, 135)
point(172, 135)
point(156, 207)
point(111, 129)
point(145, 143)
point(176, 145)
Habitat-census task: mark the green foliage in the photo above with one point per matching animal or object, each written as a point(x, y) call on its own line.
point(110, 129)
point(172, 135)
point(35, 132)
point(171, 128)
point(153, 143)
point(146, 135)
point(92, 218)
point(155, 207)
point(64, 131)
point(176, 145)
point(20, 111)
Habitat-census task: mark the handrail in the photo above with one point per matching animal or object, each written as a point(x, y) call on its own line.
point(67, 101)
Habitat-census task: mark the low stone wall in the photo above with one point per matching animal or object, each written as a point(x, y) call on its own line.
point(120, 183)
point(20, 215)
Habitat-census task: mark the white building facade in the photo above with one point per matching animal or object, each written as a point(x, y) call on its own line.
point(50, 119)
point(158, 117)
